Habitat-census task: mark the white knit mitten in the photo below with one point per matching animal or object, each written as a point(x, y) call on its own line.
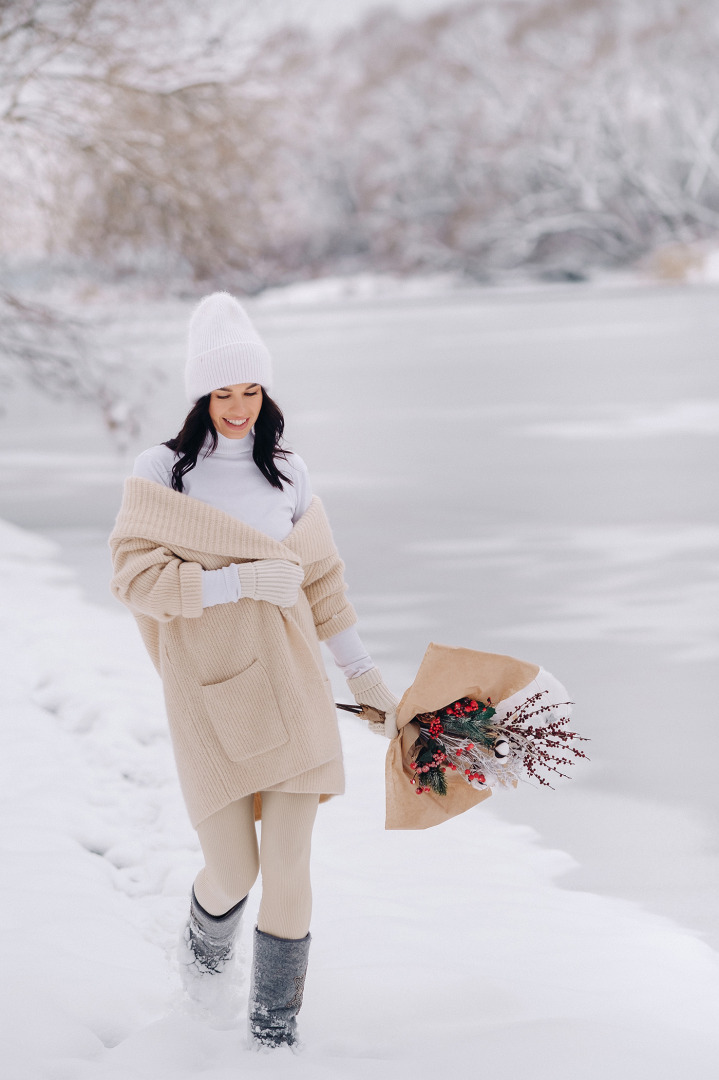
point(275, 580)
point(369, 689)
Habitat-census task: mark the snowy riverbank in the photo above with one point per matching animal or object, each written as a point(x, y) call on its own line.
point(457, 947)
point(525, 472)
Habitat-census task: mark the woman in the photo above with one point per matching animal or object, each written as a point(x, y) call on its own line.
point(227, 561)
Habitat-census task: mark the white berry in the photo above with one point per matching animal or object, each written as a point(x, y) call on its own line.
point(501, 749)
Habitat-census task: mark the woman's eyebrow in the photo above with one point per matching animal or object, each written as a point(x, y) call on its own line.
point(227, 390)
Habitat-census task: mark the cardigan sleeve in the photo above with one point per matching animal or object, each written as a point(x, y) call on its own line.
point(152, 580)
point(325, 588)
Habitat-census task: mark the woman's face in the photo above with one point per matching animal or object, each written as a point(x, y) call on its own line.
point(234, 409)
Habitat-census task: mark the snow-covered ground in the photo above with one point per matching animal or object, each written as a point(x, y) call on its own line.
point(521, 472)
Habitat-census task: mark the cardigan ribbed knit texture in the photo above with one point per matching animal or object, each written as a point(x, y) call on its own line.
point(248, 701)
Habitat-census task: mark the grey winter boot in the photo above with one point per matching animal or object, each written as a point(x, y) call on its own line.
point(279, 966)
point(209, 938)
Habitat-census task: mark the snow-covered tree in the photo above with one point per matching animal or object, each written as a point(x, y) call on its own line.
point(193, 138)
point(129, 132)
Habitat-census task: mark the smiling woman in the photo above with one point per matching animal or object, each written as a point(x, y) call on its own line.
point(228, 563)
point(234, 409)
point(237, 420)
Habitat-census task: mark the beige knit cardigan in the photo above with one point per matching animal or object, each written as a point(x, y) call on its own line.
point(248, 700)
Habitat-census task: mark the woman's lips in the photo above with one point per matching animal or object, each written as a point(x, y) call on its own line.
point(235, 425)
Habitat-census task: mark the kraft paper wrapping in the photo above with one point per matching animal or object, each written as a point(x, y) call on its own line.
point(447, 673)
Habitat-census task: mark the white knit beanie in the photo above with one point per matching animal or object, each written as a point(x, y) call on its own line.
point(224, 348)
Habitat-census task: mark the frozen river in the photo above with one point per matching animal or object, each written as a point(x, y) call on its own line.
point(528, 472)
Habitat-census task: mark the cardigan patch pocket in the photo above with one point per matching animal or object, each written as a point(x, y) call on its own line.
point(245, 714)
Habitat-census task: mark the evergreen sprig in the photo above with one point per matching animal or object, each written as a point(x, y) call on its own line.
point(429, 763)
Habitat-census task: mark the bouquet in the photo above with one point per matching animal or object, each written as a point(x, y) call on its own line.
point(472, 721)
point(468, 737)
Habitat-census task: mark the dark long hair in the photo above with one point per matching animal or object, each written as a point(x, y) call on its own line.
point(269, 426)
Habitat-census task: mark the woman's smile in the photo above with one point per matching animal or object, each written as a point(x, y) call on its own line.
point(235, 425)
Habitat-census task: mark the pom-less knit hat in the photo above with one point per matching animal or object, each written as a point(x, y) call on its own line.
point(224, 348)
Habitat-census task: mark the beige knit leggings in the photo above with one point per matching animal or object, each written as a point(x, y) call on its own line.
point(233, 861)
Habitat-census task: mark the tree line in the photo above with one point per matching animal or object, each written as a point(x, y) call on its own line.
point(195, 140)
point(557, 135)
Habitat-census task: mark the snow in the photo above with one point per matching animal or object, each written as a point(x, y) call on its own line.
point(544, 934)
point(367, 286)
point(615, 584)
point(626, 422)
point(467, 924)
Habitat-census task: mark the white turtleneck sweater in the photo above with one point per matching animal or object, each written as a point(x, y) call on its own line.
point(229, 480)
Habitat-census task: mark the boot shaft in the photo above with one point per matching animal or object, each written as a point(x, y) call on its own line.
point(211, 937)
point(279, 967)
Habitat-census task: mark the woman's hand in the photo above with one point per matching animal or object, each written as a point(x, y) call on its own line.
point(369, 689)
point(277, 581)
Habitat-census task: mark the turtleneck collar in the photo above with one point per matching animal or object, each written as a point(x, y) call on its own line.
point(231, 448)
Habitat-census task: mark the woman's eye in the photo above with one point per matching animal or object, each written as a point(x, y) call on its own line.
point(222, 397)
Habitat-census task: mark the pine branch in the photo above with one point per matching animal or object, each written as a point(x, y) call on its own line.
point(436, 781)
